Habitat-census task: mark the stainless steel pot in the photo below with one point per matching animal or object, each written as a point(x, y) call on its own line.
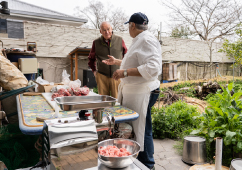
point(194, 150)
point(236, 164)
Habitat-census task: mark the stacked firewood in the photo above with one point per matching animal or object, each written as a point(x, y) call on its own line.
point(170, 97)
point(207, 88)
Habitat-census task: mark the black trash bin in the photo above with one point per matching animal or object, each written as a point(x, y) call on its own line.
point(89, 79)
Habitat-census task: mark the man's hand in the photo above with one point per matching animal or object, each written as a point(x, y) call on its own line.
point(118, 74)
point(110, 61)
point(95, 72)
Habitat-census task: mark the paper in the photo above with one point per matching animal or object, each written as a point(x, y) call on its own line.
point(48, 98)
point(57, 115)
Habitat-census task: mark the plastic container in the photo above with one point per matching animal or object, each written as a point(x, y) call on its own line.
point(14, 56)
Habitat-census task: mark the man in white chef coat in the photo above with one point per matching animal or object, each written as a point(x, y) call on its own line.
point(139, 87)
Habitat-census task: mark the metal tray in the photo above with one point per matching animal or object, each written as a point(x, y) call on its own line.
point(85, 102)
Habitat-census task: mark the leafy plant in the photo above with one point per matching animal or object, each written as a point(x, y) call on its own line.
point(181, 32)
point(223, 118)
point(178, 86)
point(238, 87)
point(234, 49)
point(189, 92)
point(95, 90)
point(209, 96)
point(170, 121)
point(16, 148)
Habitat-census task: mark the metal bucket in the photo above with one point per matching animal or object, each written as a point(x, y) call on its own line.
point(236, 164)
point(194, 150)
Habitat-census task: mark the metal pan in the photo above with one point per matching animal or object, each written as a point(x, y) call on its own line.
point(85, 102)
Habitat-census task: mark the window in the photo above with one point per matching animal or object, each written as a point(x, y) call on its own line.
point(3, 26)
point(12, 28)
point(15, 29)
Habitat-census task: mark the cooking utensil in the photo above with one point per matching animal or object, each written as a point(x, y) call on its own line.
point(119, 162)
point(41, 119)
point(194, 150)
point(236, 164)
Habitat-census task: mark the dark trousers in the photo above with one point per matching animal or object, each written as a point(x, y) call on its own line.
point(146, 157)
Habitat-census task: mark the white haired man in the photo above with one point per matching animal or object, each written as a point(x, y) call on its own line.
point(107, 44)
point(139, 87)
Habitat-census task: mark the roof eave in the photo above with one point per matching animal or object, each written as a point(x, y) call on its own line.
point(38, 17)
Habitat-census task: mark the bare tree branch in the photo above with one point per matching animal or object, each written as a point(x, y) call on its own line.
point(96, 12)
point(209, 19)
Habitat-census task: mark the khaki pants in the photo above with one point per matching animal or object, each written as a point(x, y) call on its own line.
point(107, 85)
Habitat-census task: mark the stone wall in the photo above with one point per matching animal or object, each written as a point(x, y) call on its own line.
point(54, 66)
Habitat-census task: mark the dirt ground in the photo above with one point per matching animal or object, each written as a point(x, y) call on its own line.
point(193, 101)
point(196, 102)
point(189, 100)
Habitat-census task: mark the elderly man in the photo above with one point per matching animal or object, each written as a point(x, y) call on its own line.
point(139, 87)
point(107, 44)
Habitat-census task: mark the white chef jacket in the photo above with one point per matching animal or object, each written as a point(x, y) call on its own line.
point(134, 91)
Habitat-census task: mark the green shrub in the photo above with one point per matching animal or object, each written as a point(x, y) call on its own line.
point(95, 90)
point(223, 118)
point(16, 149)
point(178, 86)
point(209, 96)
point(170, 121)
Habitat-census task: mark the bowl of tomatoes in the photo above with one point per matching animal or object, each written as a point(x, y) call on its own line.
point(118, 153)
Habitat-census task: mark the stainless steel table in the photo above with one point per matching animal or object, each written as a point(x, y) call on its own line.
point(137, 165)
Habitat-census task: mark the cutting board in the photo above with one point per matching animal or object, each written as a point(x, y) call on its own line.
point(48, 98)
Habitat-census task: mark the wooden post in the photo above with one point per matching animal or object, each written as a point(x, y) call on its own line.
point(76, 66)
point(186, 70)
point(239, 70)
point(72, 67)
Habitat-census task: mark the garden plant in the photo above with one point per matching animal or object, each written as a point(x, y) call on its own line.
point(222, 118)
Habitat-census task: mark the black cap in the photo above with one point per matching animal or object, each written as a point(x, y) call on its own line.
point(138, 18)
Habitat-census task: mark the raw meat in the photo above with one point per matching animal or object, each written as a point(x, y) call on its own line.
point(113, 151)
point(64, 92)
point(82, 91)
point(60, 93)
point(85, 90)
point(54, 95)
